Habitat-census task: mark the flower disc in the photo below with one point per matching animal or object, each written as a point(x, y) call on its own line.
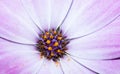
point(52, 44)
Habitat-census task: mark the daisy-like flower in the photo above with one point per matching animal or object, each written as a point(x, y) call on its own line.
point(59, 36)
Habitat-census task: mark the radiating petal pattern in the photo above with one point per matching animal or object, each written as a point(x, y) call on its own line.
point(100, 45)
point(15, 24)
point(55, 68)
point(39, 11)
point(70, 67)
point(88, 16)
point(47, 14)
point(59, 10)
point(102, 67)
point(91, 26)
point(14, 58)
point(34, 67)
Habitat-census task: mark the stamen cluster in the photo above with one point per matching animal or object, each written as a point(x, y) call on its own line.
point(52, 44)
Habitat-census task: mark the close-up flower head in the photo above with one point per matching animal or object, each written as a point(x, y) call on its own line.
point(59, 36)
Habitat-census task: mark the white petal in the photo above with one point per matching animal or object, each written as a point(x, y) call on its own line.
point(59, 10)
point(15, 24)
point(100, 45)
point(39, 11)
point(33, 67)
point(70, 67)
point(102, 67)
point(14, 58)
point(88, 16)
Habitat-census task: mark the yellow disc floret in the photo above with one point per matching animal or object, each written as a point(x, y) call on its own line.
point(48, 41)
point(59, 38)
point(56, 44)
point(52, 44)
point(50, 48)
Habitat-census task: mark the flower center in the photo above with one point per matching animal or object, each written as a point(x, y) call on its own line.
point(52, 44)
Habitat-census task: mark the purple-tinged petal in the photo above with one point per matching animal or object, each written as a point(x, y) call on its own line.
point(104, 44)
point(15, 58)
point(13, 64)
point(70, 67)
point(46, 67)
point(47, 14)
point(59, 11)
point(34, 67)
point(55, 68)
point(88, 16)
point(14, 23)
point(43, 68)
point(102, 67)
point(39, 11)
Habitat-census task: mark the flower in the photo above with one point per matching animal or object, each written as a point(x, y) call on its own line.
point(88, 30)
